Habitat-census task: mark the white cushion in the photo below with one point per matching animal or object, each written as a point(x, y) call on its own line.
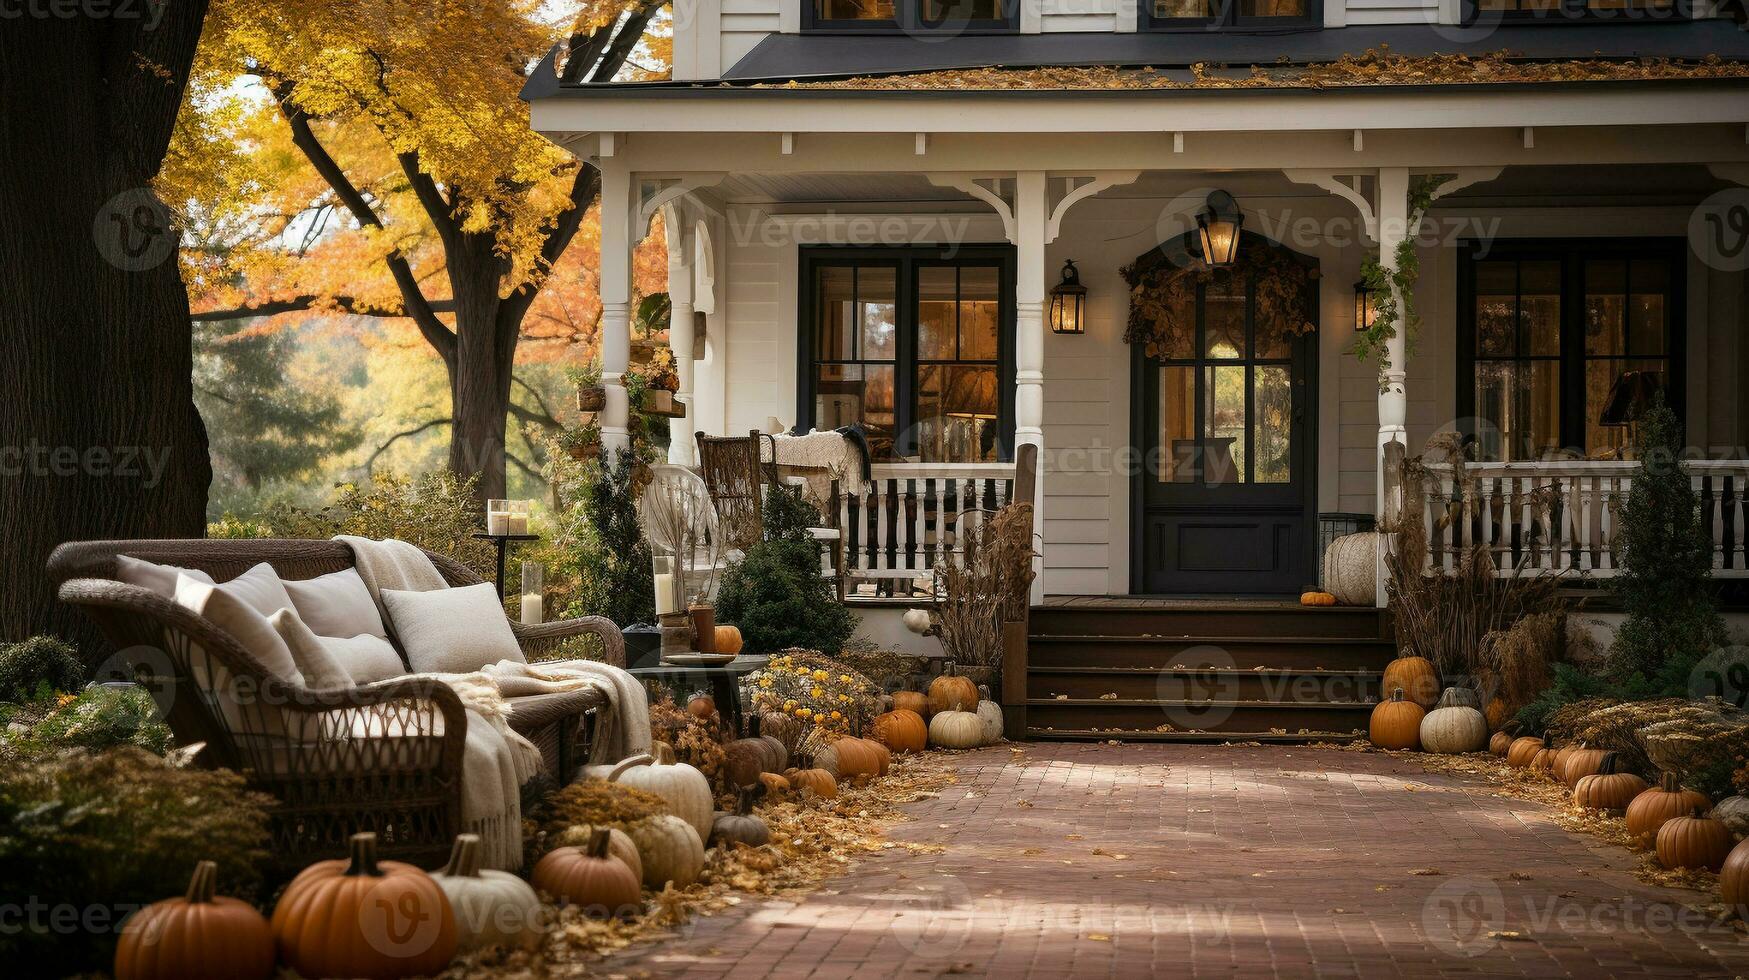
point(261, 588)
point(336, 604)
point(151, 575)
point(452, 630)
point(329, 661)
point(230, 611)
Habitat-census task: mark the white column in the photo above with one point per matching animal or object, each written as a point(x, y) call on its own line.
point(1031, 211)
point(1393, 222)
point(681, 243)
point(616, 299)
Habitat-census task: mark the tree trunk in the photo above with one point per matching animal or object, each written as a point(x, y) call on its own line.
point(100, 437)
point(479, 380)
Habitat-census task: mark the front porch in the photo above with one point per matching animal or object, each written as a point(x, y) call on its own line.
point(743, 239)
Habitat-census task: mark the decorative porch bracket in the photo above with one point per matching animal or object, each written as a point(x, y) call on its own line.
point(628, 202)
point(1333, 181)
point(1031, 219)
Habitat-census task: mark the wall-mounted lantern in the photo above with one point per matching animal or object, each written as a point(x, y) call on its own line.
point(1068, 302)
point(1218, 229)
point(1366, 307)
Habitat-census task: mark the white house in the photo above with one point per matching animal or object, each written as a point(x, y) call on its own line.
point(870, 202)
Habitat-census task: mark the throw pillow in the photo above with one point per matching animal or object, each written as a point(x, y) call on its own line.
point(336, 604)
point(452, 630)
point(231, 612)
point(151, 575)
point(329, 661)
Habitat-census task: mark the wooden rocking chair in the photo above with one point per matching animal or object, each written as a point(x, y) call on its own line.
point(737, 470)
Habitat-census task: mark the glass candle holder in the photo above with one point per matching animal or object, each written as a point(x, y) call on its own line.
point(667, 585)
point(534, 576)
point(507, 516)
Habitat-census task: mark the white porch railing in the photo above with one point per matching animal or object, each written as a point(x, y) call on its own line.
point(905, 520)
point(1563, 516)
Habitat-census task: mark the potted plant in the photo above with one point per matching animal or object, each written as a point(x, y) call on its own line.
point(591, 396)
point(582, 442)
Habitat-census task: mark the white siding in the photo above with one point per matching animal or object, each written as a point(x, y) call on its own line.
point(1363, 12)
point(1086, 533)
point(1091, 16)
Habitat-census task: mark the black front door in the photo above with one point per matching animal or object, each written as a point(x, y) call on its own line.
point(1226, 491)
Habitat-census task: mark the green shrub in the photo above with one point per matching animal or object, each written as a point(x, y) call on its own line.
point(102, 833)
point(613, 567)
point(1571, 684)
point(101, 718)
point(775, 593)
point(436, 511)
point(38, 667)
point(1664, 581)
point(230, 527)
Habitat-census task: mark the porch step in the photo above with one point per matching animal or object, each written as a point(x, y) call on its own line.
point(1259, 684)
point(1186, 652)
point(1215, 619)
point(1189, 670)
point(1095, 735)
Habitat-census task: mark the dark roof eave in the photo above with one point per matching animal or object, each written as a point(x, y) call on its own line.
point(683, 90)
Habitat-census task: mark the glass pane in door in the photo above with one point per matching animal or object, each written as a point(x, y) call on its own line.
point(1272, 422)
point(1224, 426)
point(1176, 461)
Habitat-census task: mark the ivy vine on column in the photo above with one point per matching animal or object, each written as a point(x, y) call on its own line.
point(1385, 285)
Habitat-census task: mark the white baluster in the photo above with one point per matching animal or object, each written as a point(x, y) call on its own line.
point(1527, 524)
point(1717, 495)
point(1447, 487)
point(1606, 523)
point(1587, 560)
point(1741, 557)
point(919, 544)
point(1486, 484)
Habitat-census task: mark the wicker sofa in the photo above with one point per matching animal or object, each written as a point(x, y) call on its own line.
point(383, 757)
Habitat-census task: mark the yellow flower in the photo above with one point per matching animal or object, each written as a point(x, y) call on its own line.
point(844, 678)
point(820, 675)
point(764, 682)
point(803, 712)
point(844, 697)
point(816, 693)
point(836, 715)
point(820, 722)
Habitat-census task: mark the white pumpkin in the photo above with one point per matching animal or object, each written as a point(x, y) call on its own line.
point(990, 713)
point(618, 845)
point(491, 908)
point(671, 851)
point(685, 788)
point(956, 730)
point(1734, 812)
point(1454, 727)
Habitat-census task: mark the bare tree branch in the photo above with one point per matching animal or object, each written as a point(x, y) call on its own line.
point(304, 137)
point(625, 40)
point(397, 437)
point(345, 304)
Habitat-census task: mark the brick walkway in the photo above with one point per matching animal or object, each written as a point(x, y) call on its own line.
point(1177, 860)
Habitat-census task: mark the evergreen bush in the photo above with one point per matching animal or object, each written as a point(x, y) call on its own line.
point(1665, 571)
point(38, 667)
point(775, 593)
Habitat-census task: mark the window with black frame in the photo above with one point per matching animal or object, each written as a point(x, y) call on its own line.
point(1564, 343)
point(913, 345)
point(1231, 14)
point(993, 16)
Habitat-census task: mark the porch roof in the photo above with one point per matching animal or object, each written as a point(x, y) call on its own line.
point(810, 56)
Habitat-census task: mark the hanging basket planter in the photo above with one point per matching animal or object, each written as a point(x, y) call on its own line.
point(584, 452)
point(660, 401)
point(591, 399)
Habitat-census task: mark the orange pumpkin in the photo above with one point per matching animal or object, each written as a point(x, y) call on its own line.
point(911, 701)
point(1734, 879)
point(1694, 841)
point(951, 693)
point(602, 886)
point(1501, 741)
point(1543, 762)
point(728, 639)
point(197, 937)
point(1607, 789)
point(901, 730)
point(1583, 762)
point(360, 917)
point(1396, 723)
point(1663, 802)
point(1523, 751)
point(856, 757)
point(774, 784)
point(1417, 678)
point(818, 781)
point(1317, 599)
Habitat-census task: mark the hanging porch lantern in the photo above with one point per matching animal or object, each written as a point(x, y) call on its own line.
point(1067, 300)
point(1217, 230)
point(1366, 307)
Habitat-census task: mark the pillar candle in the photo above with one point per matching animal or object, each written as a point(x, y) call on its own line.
point(665, 593)
point(531, 610)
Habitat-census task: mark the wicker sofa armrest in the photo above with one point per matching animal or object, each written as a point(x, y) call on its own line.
point(541, 642)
